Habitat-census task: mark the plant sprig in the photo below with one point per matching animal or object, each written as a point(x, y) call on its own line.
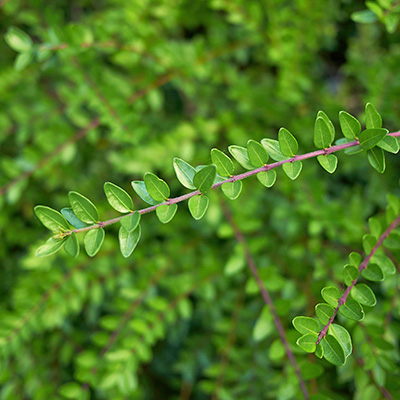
point(83, 215)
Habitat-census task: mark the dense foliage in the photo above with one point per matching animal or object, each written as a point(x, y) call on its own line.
point(111, 91)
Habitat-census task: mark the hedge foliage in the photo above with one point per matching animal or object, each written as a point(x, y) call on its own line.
point(98, 94)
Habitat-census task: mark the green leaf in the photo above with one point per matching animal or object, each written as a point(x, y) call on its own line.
point(350, 272)
point(375, 227)
point(355, 259)
point(328, 162)
point(373, 273)
point(350, 125)
point(310, 370)
point(239, 153)
point(331, 295)
point(198, 206)
point(306, 325)
point(353, 310)
point(83, 208)
point(324, 312)
point(263, 326)
point(385, 263)
point(72, 390)
point(389, 144)
point(353, 150)
point(185, 173)
point(18, 40)
point(343, 337)
point(371, 137)
point(156, 187)
point(118, 198)
point(375, 9)
point(333, 352)
point(328, 122)
point(287, 143)
point(392, 242)
point(363, 294)
point(165, 213)
point(322, 134)
point(273, 149)
point(232, 190)
point(319, 352)
point(130, 222)
point(292, 169)
point(376, 158)
point(140, 188)
point(204, 179)
point(23, 60)
point(93, 241)
point(72, 245)
point(364, 17)
point(369, 242)
point(223, 163)
point(51, 219)
point(257, 154)
point(70, 216)
point(50, 247)
point(267, 178)
point(128, 240)
point(307, 342)
point(372, 117)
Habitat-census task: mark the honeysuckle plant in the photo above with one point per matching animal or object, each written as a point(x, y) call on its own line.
point(332, 341)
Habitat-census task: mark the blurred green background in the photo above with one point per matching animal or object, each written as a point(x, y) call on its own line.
point(113, 89)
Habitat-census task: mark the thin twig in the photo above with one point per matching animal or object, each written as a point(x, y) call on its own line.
point(362, 266)
point(233, 178)
point(266, 296)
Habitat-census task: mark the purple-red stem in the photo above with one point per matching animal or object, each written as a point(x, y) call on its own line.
point(267, 298)
point(233, 178)
point(362, 266)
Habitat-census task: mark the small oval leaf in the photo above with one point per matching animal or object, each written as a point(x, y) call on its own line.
point(156, 187)
point(83, 208)
point(232, 190)
point(72, 245)
point(257, 154)
point(118, 198)
point(306, 325)
point(93, 241)
point(333, 351)
point(165, 213)
point(204, 179)
point(267, 178)
point(292, 169)
point(184, 172)
point(130, 222)
point(51, 219)
point(328, 162)
point(363, 294)
point(128, 240)
point(198, 206)
point(287, 143)
point(50, 247)
point(140, 188)
point(350, 125)
point(223, 163)
point(240, 154)
point(371, 137)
